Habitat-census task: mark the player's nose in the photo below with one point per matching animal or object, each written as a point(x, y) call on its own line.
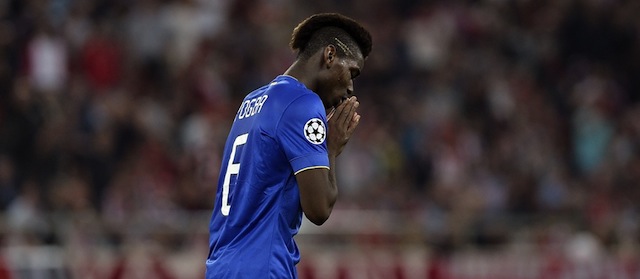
point(350, 88)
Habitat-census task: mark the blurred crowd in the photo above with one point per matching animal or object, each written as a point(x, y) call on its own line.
point(479, 118)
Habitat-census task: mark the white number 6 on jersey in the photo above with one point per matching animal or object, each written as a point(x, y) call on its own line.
point(231, 169)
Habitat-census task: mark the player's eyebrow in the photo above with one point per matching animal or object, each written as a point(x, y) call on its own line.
point(343, 46)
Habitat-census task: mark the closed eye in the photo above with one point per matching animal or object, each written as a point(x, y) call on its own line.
point(355, 73)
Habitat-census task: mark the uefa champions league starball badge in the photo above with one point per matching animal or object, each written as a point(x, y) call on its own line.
point(314, 131)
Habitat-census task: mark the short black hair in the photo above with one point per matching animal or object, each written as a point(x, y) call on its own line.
point(320, 30)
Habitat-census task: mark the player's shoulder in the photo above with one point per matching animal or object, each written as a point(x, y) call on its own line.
point(286, 90)
point(287, 86)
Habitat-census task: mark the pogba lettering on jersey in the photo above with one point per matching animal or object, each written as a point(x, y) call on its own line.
point(251, 107)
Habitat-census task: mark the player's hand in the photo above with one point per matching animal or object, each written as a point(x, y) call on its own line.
point(342, 122)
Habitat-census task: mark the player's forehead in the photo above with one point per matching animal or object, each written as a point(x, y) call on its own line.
point(354, 62)
point(356, 57)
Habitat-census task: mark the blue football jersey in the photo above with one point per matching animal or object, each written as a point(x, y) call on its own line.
point(279, 130)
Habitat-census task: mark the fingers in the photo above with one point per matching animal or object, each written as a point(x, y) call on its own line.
point(343, 120)
point(346, 110)
point(347, 116)
point(352, 109)
point(341, 111)
point(355, 120)
point(331, 113)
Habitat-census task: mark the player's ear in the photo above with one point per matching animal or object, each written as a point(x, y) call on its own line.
point(329, 55)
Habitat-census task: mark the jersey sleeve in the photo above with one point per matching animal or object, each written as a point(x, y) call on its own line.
point(302, 132)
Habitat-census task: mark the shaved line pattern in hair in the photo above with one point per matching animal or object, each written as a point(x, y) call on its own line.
point(344, 47)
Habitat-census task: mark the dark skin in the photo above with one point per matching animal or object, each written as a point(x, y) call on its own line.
point(331, 77)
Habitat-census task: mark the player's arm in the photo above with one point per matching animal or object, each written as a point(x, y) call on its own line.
point(318, 187)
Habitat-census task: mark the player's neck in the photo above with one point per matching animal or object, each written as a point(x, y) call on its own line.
point(299, 70)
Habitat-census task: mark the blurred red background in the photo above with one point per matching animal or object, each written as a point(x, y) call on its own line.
point(499, 139)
